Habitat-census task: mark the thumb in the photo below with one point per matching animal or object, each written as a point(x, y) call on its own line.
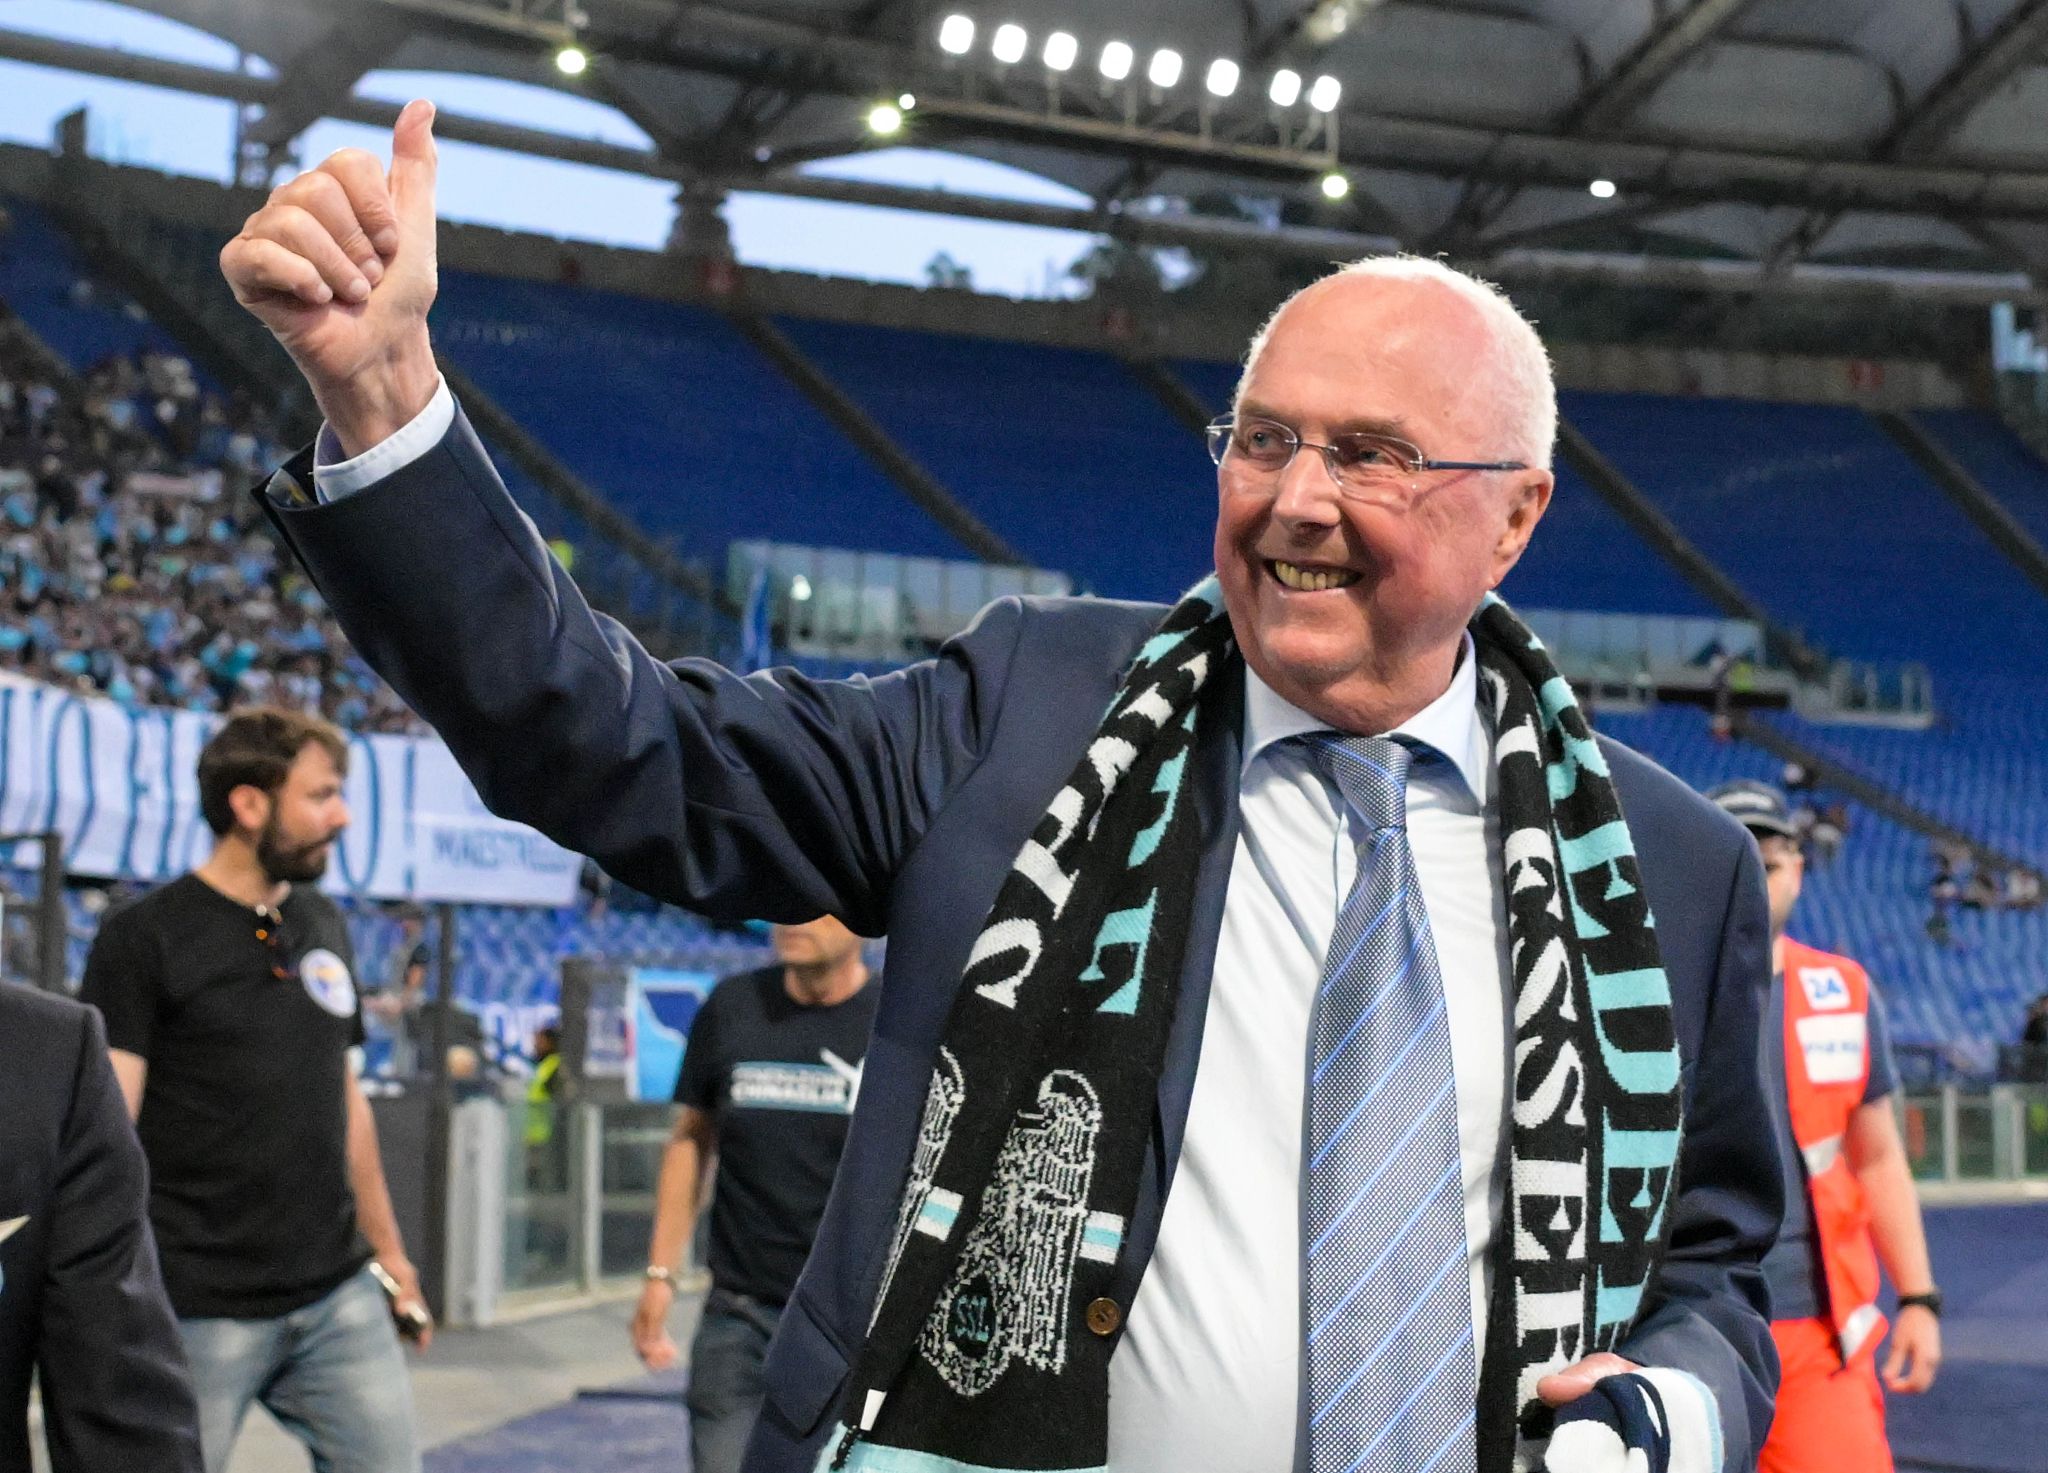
point(414, 163)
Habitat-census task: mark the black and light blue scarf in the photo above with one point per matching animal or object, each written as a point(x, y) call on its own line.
point(989, 1346)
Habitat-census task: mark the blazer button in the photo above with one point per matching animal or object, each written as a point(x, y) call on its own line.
point(1103, 1316)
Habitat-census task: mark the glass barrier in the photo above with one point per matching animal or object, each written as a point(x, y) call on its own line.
point(1650, 641)
point(542, 1216)
point(1976, 1135)
point(631, 1141)
point(872, 605)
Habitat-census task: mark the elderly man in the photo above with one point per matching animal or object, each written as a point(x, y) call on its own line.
point(1281, 1071)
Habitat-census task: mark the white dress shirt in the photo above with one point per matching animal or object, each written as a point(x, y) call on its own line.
point(1209, 1374)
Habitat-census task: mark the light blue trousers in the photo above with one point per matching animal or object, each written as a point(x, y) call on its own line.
point(332, 1373)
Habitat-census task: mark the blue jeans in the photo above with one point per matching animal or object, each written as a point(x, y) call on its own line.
point(333, 1373)
point(726, 1386)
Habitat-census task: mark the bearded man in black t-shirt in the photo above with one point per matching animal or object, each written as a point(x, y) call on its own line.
point(231, 1012)
point(769, 1080)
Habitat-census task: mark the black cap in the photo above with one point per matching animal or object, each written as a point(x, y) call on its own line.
point(1757, 806)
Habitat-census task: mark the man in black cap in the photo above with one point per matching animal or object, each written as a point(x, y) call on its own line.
point(1849, 1198)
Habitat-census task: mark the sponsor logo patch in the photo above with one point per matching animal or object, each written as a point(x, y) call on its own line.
point(328, 982)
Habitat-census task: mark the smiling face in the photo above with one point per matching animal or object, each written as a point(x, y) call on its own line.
point(1353, 609)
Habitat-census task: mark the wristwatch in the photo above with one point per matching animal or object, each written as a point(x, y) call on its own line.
point(658, 1274)
point(1930, 1301)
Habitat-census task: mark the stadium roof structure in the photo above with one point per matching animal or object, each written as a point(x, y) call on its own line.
point(1738, 145)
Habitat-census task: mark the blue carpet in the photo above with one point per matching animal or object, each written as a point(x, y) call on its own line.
point(637, 1428)
point(1987, 1413)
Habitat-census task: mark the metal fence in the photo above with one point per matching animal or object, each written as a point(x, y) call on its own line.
point(1990, 1135)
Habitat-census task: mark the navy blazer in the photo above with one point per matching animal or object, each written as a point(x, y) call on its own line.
point(80, 1294)
point(897, 804)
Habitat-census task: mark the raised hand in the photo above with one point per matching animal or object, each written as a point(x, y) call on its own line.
point(339, 264)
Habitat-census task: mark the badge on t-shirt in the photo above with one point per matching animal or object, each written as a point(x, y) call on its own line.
point(1834, 1048)
point(1825, 990)
point(328, 981)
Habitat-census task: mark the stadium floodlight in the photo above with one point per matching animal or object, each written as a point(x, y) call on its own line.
point(1222, 78)
point(1601, 189)
point(907, 101)
point(1325, 94)
point(1335, 186)
point(1010, 44)
point(572, 60)
point(1060, 51)
point(1164, 69)
point(885, 120)
point(956, 35)
point(1117, 60)
point(1286, 88)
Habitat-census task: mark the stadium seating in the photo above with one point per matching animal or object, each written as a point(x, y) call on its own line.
point(45, 279)
point(1999, 459)
point(508, 958)
point(1980, 767)
point(1871, 903)
point(1814, 512)
point(674, 416)
point(1064, 453)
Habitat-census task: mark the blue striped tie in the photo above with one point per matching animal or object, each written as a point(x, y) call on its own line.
point(1387, 1301)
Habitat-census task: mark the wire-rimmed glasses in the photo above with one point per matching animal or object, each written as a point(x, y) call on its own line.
point(1361, 462)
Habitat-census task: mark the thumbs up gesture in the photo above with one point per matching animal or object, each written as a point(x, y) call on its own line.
point(339, 265)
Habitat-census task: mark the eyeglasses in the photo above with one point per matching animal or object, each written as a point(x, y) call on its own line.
point(1361, 463)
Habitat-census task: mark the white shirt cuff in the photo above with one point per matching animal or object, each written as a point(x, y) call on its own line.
point(334, 478)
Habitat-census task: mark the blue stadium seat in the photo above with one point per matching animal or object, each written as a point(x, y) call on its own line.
point(47, 283)
point(1999, 459)
point(1871, 903)
point(668, 411)
point(1064, 453)
point(1817, 514)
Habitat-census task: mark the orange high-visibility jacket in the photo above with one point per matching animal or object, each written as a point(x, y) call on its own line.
point(1827, 1069)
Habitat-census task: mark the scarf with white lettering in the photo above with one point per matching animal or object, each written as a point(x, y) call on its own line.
point(990, 1341)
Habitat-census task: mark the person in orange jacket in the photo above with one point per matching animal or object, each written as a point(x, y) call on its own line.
point(1850, 1201)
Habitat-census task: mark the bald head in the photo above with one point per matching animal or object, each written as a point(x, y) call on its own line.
point(1414, 307)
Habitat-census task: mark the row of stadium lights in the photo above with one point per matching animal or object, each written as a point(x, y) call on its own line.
point(1117, 60)
point(1061, 50)
point(1010, 43)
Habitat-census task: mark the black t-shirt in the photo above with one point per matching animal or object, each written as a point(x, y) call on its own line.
point(779, 1080)
point(244, 1112)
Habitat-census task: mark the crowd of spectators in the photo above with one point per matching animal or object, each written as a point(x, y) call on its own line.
point(133, 564)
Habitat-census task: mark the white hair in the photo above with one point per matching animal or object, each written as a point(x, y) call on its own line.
point(1526, 391)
